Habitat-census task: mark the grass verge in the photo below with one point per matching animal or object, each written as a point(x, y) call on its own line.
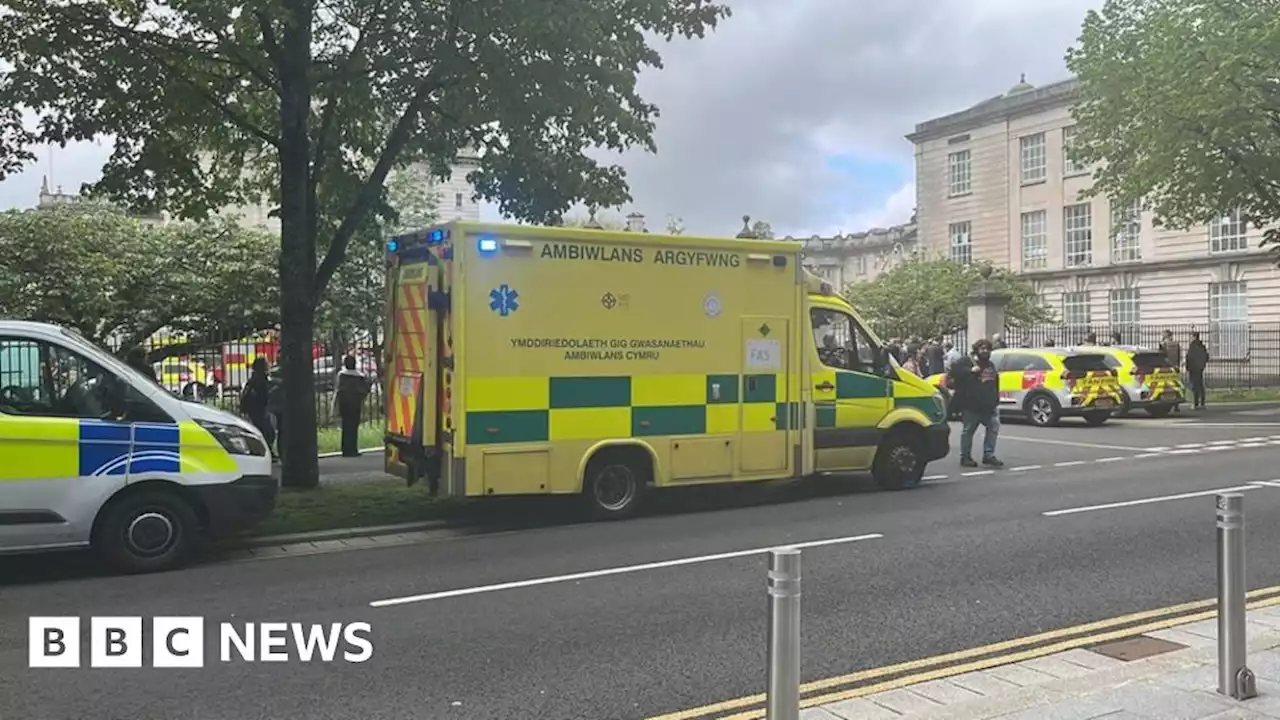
point(346, 505)
point(329, 439)
point(1243, 395)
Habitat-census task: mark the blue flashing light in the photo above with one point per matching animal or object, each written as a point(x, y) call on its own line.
point(436, 237)
point(393, 245)
point(488, 245)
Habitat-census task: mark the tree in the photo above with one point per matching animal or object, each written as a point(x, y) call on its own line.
point(675, 225)
point(606, 221)
point(1179, 108)
point(311, 107)
point(762, 230)
point(930, 297)
point(118, 280)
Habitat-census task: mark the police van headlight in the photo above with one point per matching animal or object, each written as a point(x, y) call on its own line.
point(234, 439)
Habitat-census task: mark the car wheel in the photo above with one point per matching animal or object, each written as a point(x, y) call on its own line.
point(1125, 405)
point(148, 531)
point(1096, 418)
point(1159, 411)
point(899, 462)
point(615, 482)
point(1042, 410)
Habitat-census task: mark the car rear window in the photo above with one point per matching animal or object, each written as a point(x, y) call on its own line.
point(1085, 363)
point(1150, 360)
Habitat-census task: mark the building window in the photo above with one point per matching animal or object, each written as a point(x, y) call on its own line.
point(860, 265)
point(1228, 320)
point(1228, 233)
point(1035, 240)
point(457, 200)
point(1075, 308)
point(1077, 234)
point(961, 243)
point(958, 176)
point(1125, 307)
point(1069, 166)
point(1033, 158)
point(1126, 228)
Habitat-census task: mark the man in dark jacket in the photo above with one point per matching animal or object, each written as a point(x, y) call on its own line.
point(254, 400)
point(1197, 361)
point(350, 395)
point(976, 387)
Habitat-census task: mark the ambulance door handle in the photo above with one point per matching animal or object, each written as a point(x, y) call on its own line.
point(824, 386)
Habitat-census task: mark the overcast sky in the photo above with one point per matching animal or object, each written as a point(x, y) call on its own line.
point(793, 112)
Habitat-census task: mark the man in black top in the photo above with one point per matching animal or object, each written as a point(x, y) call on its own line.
point(976, 393)
point(1197, 361)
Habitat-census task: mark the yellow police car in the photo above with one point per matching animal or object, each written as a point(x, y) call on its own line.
point(1045, 385)
point(1150, 381)
point(98, 455)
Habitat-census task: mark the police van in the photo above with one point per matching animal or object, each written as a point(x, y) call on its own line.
point(557, 361)
point(96, 454)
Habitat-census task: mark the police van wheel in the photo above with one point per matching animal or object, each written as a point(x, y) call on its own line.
point(145, 532)
point(1159, 411)
point(899, 462)
point(615, 482)
point(1096, 418)
point(1043, 410)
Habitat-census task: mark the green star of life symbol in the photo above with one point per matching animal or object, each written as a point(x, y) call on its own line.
point(764, 330)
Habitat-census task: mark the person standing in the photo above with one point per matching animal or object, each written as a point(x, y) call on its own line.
point(936, 357)
point(353, 387)
point(1173, 352)
point(254, 399)
point(976, 387)
point(1197, 361)
point(950, 355)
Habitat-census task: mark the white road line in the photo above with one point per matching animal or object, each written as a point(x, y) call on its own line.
point(1252, 445)
point(1146, 501)
point(1069, 463)
point(1252, 439)
point(1117, 458)
point(1218, 448)
point(612, 571)
point(1191, 445)
point(977, 472)
point(1146, 455)
point(1266, 483)
point(1022, 468)
point(1184, 451)
point(1158, 449)
point(934, 477)
point(1071, 443)
point(1233, 442)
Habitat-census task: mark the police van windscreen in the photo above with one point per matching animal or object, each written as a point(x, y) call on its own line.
point(1151, 360)
point(1084, 363)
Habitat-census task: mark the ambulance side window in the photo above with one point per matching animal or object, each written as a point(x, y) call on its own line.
point(841, 344)
point(39, 378)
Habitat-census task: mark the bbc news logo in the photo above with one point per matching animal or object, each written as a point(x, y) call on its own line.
point(179, 642)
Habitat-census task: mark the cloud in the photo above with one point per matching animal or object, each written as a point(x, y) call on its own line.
point(794, 112)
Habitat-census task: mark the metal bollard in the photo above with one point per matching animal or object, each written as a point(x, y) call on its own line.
point(1235, 679)
point(783, 701)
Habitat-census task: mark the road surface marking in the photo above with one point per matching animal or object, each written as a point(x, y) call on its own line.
point(1173, 615)
point(533, 582)
point(1022, 468)
point(1158, 449)
point(1266, 483)
point(1146, 501)
point(1232, 442)
point(1069, 463)
point(1140, 456)
point(1253, 445)
point(977, 472)
point(1183, 451)
point(1071, 443)
point(1116, 458)
point(1218, 448)
point(934, 477)
point(1253, 439)
point(1191, 445)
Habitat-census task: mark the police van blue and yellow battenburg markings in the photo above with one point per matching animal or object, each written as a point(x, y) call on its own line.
point(93, 448)
point(523, 360)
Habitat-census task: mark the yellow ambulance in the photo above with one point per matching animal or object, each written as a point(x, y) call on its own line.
point(544, 360)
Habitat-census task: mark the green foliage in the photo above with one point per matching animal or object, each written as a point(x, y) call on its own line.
point(930, 297)
point(118, 280)
point(310, 106)
point(762, 230)
point(1180, 107)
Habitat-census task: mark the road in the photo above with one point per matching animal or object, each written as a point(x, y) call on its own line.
point(666, 611)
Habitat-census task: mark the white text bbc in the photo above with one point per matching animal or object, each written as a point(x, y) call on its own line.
point(178, 642)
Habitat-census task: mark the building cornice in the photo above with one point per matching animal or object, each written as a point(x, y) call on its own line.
point(1251, 258)
point(997, 109)
point(873, 239)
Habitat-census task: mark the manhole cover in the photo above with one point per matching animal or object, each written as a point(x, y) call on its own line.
point(1136, 648)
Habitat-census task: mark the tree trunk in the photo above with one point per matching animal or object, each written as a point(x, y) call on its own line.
point(297, 253)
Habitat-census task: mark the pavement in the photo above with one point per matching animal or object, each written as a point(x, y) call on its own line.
point(664, 614)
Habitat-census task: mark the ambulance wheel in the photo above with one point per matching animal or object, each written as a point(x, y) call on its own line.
point(1096, 418)
point(615, 482)
point(899, 462)
point(147, 531)
point(1043, 410)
